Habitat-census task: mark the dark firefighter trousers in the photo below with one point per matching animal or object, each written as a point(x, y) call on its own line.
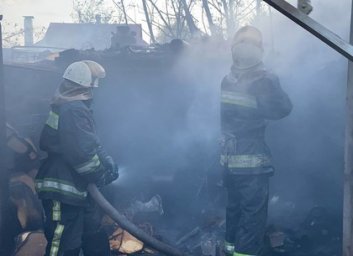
point(247, 212)
point(69, 228)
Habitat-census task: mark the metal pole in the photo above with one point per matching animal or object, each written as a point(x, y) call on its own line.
point(4, 178)
point(315, 28)
point(348, 159)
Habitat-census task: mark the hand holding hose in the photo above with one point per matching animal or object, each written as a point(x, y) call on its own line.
point(112, 172)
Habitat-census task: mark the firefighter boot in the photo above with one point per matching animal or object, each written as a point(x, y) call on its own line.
point(228, 248)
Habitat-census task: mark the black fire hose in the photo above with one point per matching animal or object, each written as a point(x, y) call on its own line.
point(130, 227)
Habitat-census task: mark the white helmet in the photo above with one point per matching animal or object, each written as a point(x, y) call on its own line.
point(85, 73)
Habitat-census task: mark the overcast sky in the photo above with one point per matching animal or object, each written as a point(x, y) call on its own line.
point(45, 11)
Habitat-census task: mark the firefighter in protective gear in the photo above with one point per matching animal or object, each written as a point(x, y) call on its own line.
point(75, 158)
point(250, 96)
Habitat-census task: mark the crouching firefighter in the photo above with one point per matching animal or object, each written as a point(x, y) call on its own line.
point(75, 158)
point(250, 95)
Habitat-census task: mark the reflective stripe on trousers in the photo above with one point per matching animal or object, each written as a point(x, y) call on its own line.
point(242, 254)
point(229, 250)
point(56, 211)
point(55, 244)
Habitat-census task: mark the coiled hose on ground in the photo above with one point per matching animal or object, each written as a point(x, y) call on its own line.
point(129, 226)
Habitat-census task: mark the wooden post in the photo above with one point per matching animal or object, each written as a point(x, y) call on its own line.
point(4, 181)
point(348, 159)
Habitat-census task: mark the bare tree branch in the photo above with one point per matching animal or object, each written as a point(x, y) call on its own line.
point(203, 21)
point(167, 10)
point(216, 7)
point(149, 24)
point(177, 18)
point(167, 25)
point(128, 17)
point(86, 11)
point(248, 13)
point(247, 8)
point(189, 18)
point(231, 18)
point(124, 11)
point(209, 17)
point(162, 29)
point(226, 16)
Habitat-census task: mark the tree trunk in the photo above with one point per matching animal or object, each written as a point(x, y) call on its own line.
point(209, 17)
point(177, 12)
point(149, 24)
point(189, 19)
point(124, 11)
point(166, 24)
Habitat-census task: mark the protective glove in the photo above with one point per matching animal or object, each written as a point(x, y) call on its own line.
point(111, 173)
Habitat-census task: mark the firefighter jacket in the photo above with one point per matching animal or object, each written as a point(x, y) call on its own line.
point(248, 101)
point(74, 154)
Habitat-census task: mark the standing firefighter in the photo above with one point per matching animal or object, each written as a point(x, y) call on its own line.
point(250, 96)
point(75, 158)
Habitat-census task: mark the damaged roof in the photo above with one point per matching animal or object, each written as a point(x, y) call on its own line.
point(84, 36)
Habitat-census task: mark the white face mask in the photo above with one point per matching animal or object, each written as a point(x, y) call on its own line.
point(246, 55)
